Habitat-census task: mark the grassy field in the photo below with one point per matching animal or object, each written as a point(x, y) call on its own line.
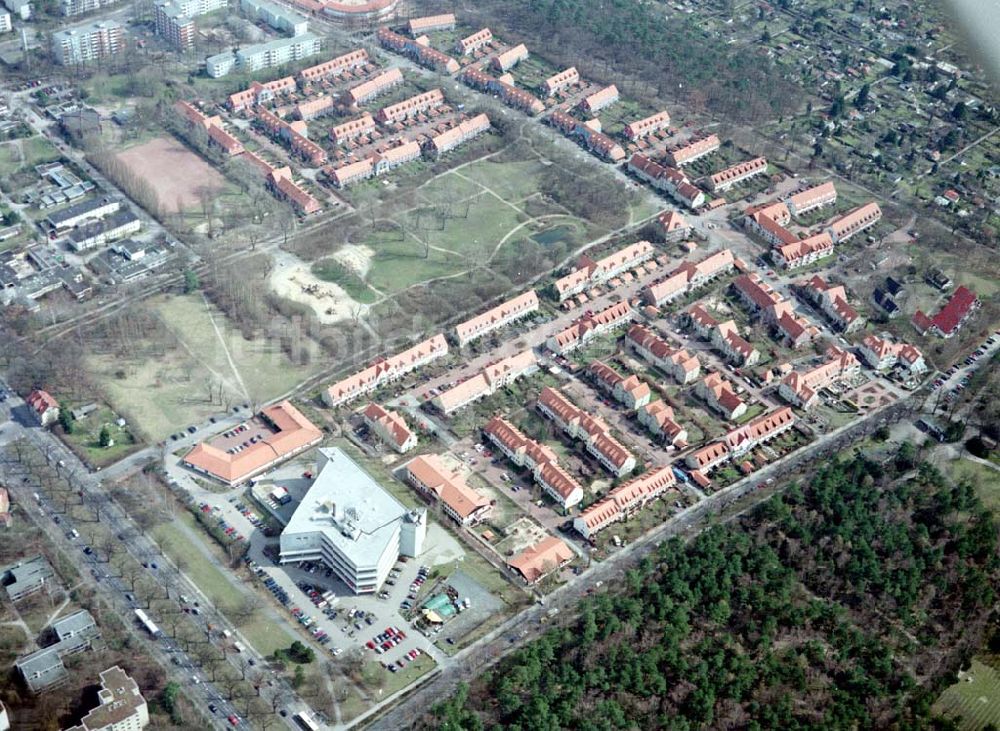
point(162, 395)
point(985, 479)
point(975, 698)
point(265, 636)
point(24, 154)
point(330, 270)
point(85, 439)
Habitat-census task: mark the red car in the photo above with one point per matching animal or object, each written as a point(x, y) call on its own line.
point(233, 720)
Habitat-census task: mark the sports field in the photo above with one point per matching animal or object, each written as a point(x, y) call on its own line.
point(162, 395)
point(178, 176)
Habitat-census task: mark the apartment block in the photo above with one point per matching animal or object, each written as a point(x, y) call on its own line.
point(693, 150)
point(88, 43)
point(540, 459)
point(726, 179)
point(274, 15)
point(680, 365)
point(801, 388)
point(588, 428)
point(624, 501)
point(386, 370)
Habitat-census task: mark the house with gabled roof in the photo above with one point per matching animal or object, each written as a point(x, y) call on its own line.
point(817, 196)
point(658, 417)
point(648, 125)
point(539, 458)
point(624, 501)
point(588, 428)
point(718, 393)
point(881, 355)
point(736, 174)
point(680, 365)
point(390, 427)
point(853, 222)
point(801, 388)
point(590, 326)
point(562, 80)
point(832, 302)
point(692, 150)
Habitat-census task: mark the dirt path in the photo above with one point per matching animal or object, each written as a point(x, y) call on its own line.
point(225, 348)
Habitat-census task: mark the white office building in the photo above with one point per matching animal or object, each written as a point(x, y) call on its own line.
point(352, 525)
point(87, 43)
point(5, 24)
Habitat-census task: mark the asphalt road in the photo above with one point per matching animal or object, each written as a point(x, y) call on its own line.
point(469, 663)
point(174, 659)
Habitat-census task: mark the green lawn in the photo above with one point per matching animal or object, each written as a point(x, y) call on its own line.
point(974, 699)
point(24, 154)
point(265, 636)
point(86, 438)
point(395, 682)
point(331, 270)
point(512, 181)
point(161, 395)
point(985, 479)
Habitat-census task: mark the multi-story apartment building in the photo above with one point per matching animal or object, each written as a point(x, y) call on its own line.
point(557, 483)
point(386, 370)
point(88, 43)
point(726, 179)
point(588, 428)
point(121, 705)
point(264, 55)
point(500, 316)
point(175, 19)
point(680, 365)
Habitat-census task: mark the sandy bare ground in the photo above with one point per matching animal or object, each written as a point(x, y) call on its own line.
point(176, 174)
point(327, 300)
point(356, 257)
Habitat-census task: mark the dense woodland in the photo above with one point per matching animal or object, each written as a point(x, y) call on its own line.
point(847, 603)
point(676, 58)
